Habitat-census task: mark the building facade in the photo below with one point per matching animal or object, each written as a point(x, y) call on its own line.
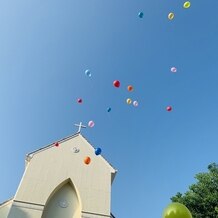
point(58, 183)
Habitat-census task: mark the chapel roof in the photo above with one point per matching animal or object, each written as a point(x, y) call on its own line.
point(31, 154)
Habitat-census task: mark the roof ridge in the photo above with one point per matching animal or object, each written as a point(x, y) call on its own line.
point(51, 144)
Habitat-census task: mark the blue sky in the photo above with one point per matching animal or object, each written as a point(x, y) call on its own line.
point(45, 48)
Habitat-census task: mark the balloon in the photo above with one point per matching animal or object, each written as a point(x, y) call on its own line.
point(109, 109)
point(135, 103)
point(176, 210)
point(173, 70)
point(56, 144)
point(170, 16)
point(128, 101)
point(88, 73)
point(130, 88)
point(98, 151)
point(79, 100)
point(116, 83)
point(140, 14)
point(87, 160)
point(91, 123)
point(169, 108)
point(186, 4)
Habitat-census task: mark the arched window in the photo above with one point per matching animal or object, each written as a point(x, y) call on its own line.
point(63, 202)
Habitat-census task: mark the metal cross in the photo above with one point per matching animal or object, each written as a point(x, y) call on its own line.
point(80, 126)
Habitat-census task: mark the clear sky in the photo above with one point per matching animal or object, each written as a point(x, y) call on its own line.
point(45, 48)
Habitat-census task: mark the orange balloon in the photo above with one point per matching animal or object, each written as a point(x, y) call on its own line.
point(130, 88)
point(87, 160)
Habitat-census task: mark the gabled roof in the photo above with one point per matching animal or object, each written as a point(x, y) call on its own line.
point(31, 154)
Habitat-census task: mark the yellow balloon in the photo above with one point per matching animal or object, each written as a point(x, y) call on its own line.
point(170, 16)
point(128, 101)
point(176, 210)
point(187, 4)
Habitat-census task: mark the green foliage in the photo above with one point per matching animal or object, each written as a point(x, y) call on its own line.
point(202, 198)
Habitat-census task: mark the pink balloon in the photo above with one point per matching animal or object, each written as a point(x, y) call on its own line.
point(169, 108)
point(79, 100)
point(91, 123)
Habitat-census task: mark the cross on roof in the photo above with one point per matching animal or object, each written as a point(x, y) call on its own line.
point(80, 126)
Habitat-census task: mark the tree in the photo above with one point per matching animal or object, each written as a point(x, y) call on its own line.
point(202, 198)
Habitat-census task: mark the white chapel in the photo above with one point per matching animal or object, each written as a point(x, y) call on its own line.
point(58, 184)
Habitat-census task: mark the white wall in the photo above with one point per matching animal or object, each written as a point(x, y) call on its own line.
point(49, 168)
point(4, 209)
point(63, 203)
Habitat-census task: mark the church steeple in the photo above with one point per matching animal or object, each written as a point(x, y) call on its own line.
point(57, 183)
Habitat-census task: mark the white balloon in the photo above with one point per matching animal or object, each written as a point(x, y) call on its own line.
point(173, 69)
point(135, 103)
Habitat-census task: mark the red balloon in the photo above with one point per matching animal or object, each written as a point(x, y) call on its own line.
point(116, 83)
point(56, 144)
point(169, 108)
point(79, 100)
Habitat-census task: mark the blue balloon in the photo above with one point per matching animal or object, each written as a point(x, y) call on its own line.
point(140, 14)
point(109, 109)
point(88, 73)
point(98, 151)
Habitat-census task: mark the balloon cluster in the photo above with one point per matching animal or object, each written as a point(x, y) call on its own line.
point(87, 159)
point(186, 5)
point(130, 88)
point(171, 15)
point(116, 84)
point(173, 210)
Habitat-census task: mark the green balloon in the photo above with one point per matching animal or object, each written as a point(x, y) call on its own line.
point(176, 210)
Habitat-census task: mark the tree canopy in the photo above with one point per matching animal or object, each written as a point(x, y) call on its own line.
point(202, 197)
